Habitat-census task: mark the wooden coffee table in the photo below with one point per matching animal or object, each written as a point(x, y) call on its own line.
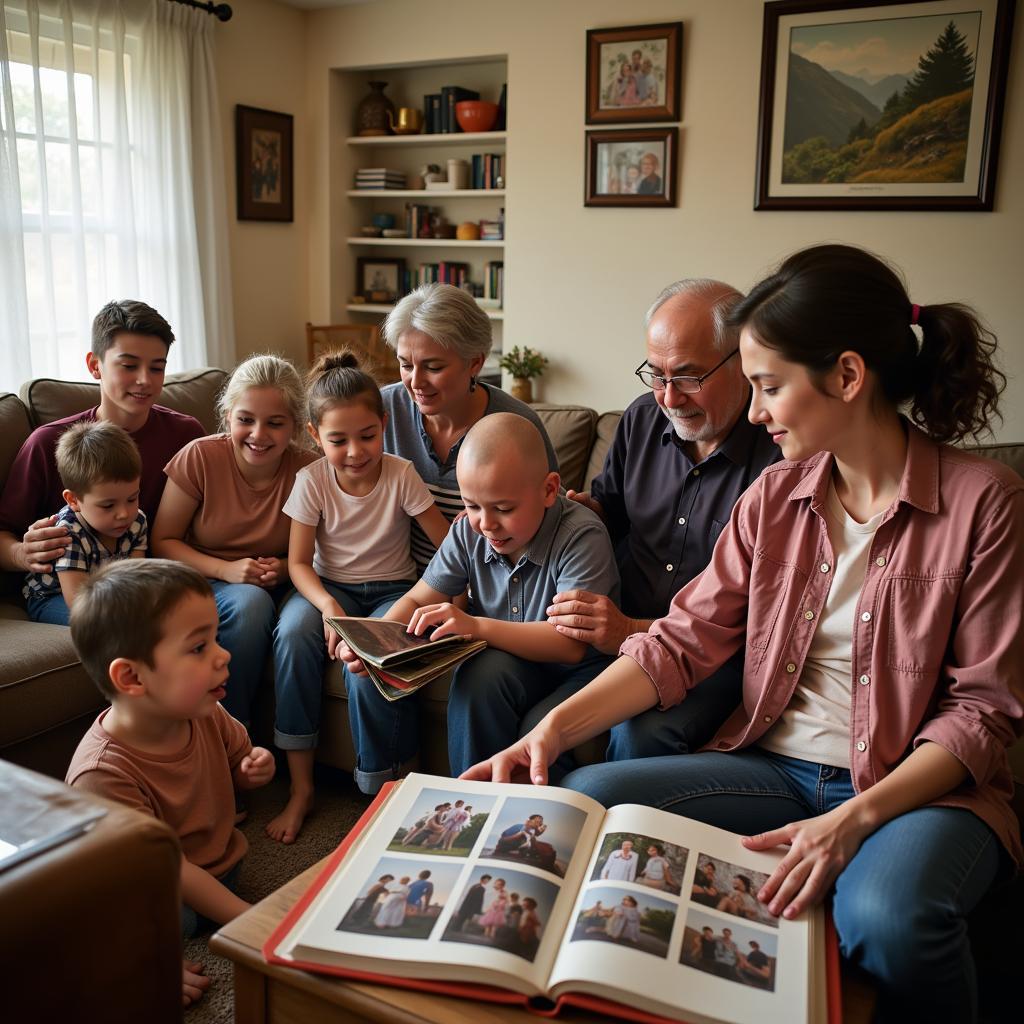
point(281, 995)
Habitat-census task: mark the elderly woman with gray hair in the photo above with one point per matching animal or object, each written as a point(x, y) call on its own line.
point(441, 337)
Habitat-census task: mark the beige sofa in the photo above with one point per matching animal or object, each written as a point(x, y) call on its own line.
point(46, 700)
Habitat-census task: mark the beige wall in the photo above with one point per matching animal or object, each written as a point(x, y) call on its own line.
point(580, 279)
point(261, 62)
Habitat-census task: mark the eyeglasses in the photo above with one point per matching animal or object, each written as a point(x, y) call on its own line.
point(684, 385)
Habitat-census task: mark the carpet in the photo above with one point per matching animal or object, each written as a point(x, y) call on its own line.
point(269, 865)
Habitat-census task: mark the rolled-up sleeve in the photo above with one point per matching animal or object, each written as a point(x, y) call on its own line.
point(978, 714)
point(706, 621)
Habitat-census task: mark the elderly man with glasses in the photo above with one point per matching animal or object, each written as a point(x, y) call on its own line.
point(682, 455)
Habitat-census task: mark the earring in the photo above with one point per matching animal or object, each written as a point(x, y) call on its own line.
point(472, 384)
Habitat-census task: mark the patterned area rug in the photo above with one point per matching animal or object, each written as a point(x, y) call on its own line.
point(268, 865)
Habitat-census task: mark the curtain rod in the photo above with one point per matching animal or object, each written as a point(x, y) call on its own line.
point(222, 12)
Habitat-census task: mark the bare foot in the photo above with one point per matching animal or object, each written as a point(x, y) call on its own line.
point(193, 982)
point(285, 827)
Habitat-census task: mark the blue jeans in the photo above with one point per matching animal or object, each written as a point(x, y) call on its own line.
point(300, 656)
point(900, 905)
point(192, 922)
point(51, 609)
point(246, 614)
point(686, 727)
point(495, 695)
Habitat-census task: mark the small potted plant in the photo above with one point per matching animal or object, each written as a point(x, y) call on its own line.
point(523, 364)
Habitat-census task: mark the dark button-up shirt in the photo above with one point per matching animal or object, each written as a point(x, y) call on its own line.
point(937, 641)
point(664, 511)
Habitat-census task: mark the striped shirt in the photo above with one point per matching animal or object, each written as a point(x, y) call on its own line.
point(406, 437)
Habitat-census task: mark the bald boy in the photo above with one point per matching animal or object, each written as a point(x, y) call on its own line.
point(519, 544)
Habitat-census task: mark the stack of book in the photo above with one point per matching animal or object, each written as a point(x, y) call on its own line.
point(398, 662)
point(494, 281)
point(487, 170)
point(379, 178)
point(491, 231)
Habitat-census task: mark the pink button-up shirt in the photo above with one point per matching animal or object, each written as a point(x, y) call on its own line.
point(938, 643)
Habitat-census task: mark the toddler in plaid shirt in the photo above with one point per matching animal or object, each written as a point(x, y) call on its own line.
point(100, 468)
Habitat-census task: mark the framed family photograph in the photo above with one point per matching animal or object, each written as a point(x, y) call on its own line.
point(380, 279)
point(882, 104)
point(633, 73)
point(631, 167)
point(264, 159)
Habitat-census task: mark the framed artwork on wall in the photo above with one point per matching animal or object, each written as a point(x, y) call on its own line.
point(881, 104)
point(631, 167)
point(264, 164)
point(633, 73)
point(379, 279)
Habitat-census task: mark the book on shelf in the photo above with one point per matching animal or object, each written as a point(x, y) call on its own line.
point(450, 95)
point(487, 170)
point(432, 113)
point(379, 177)
point(494, 280)
point(521, 894)
point(397, 662)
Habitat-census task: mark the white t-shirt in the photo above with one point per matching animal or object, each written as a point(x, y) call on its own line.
point(360, 539)
point(816, 724)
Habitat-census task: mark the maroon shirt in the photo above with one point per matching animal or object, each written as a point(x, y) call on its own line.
point(34, 489)
point(937, 641)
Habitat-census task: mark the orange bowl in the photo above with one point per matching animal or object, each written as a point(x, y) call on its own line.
point(476, 115)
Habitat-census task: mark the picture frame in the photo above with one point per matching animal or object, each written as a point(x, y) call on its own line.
point(622, 165)
point(264, 163)
point(846, 124)
point(650, 89)
point(380, 278)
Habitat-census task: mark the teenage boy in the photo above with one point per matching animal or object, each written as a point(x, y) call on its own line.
point(99, 466)
point(146, 632)
point(130, 342)
point(518, 545)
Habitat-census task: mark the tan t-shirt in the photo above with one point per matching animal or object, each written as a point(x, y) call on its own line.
point(234, 520)
point(191, 790)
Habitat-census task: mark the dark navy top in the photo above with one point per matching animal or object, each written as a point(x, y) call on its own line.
point(664, 511)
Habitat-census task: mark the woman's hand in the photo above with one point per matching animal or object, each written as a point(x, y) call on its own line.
point(525, 761)
point(819, 849)
point(448, 619)
point(245, 570)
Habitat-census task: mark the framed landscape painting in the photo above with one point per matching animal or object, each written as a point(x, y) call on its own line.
point(633, 73)
point(879, 104)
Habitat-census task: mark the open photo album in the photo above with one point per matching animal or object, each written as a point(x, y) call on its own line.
point(398, 662)
point(535, 895)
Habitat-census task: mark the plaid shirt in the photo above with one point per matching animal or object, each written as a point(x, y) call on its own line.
point(84, 552)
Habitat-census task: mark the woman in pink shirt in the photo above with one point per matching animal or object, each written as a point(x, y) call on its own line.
point(875, 580)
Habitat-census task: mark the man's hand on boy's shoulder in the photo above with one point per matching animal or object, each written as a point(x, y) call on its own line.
point(255, 769)
point(41, 546)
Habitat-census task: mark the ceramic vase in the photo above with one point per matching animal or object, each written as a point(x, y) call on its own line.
point(522, 388)
point(375, 111)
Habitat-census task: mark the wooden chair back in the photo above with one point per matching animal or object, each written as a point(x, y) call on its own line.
point(363, 339)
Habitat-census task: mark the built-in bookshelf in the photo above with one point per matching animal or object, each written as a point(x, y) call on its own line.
point(354, 208)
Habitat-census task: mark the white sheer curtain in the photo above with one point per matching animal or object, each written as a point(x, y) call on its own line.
point(111, 180)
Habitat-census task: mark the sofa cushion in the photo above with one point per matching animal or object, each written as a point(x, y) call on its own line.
point(571, 429)
point(194, 393)
point(42, 684)
point(1011, 455)
point(607, 424)
point(14, 429)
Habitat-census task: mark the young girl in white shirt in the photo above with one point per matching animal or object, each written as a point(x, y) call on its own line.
point(348, 553)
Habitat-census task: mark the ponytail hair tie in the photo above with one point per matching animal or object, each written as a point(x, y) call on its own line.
point(915, 314)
